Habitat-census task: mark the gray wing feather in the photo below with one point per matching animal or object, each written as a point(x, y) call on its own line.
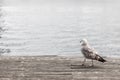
point(91, 54)
point(88, 52)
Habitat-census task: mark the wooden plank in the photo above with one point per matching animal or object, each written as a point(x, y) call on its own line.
point(56, 68)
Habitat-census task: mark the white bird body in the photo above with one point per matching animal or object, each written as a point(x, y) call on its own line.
point(88, 52)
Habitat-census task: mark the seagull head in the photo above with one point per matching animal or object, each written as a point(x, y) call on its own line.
point(84, 42)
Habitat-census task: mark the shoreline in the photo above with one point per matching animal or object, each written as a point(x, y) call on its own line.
point(67, 56)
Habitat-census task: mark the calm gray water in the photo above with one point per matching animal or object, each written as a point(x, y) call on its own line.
point(43, 27)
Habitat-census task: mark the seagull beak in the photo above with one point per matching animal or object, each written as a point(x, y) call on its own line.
point(80, 41)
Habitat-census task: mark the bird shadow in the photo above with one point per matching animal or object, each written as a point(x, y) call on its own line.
point(84, 67)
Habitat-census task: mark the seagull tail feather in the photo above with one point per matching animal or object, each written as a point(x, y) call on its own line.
point(101, 59)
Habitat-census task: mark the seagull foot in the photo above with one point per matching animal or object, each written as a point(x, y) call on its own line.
point(83, 65)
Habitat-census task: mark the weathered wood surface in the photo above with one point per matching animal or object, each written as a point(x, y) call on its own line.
point(57, 68)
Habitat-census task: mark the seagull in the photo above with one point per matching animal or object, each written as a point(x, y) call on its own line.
point(89, 52)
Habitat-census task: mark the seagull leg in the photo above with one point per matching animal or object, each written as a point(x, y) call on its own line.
point(92, 63)
point(84, 62)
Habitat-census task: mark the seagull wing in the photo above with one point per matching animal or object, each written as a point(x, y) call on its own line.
point(87, 52)
point(90, 53)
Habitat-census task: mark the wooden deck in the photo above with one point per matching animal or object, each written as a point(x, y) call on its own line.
point(57, 68)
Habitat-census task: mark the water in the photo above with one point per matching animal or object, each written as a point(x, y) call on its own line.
point(37, 27)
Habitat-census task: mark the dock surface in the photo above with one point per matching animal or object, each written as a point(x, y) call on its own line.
point(57, 68)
